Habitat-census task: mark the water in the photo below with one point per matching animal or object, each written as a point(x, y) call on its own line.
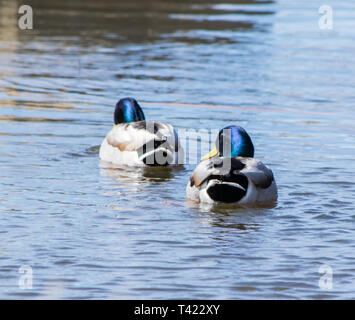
point(88, 232)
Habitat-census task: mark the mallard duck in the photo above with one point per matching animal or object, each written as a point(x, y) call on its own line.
point(230, 174)
point(133, 141)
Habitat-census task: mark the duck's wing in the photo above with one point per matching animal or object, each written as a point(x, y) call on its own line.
point(224, 168)
point(216, 167)
point(219, 168)
point(203, 170)
point(197, 177)
point(257, 172)
point(132, 136)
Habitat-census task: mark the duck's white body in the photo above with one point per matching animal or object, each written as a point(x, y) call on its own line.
point(246, 181)
point(141, 143)
point(112, 154)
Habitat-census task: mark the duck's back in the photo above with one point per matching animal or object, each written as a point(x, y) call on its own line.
point(133, 143)
point(232, 180)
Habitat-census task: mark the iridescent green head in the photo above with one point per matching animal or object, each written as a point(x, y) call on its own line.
point(232, 141)
point(128, 110)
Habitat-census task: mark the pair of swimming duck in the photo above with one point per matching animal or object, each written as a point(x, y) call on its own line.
point(228, 174)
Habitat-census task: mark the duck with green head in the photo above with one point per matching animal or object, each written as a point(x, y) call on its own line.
point(133, 141)
point(231, 174)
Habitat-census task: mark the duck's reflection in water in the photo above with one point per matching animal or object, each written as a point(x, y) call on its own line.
point(230, 217)
point(223, 208)
point(137, 186)
point(138, 177)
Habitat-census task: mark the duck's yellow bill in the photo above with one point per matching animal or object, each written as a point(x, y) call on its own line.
point(211, 154)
